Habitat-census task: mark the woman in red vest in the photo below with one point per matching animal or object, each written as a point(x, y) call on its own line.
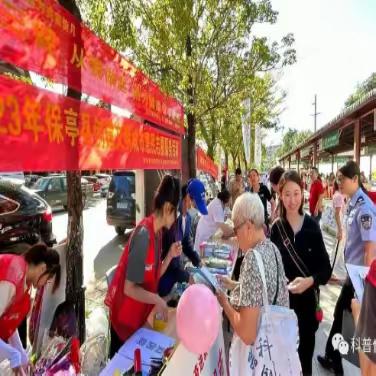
point(17, 275)
point(133, 292)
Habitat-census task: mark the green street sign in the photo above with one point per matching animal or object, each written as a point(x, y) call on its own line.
point(331, 140)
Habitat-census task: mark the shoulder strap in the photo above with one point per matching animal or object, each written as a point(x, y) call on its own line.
point(277, 289)
point(260, 265)
point(299, 263)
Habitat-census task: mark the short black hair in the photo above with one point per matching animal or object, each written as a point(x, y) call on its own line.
point(276, 174)
point(224, 196)
point(350, 170)
point(238, 171)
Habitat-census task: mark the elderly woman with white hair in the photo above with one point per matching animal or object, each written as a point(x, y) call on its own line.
point(243, 309)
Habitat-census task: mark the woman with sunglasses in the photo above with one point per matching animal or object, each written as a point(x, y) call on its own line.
point(133, 292)
point(18, 274)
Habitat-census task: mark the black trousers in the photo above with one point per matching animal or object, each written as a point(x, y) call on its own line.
point(115, 343)
point(304, 306)
point(22, 332)
point(343, 302)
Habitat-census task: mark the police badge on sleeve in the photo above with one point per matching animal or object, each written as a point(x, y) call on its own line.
point(366, 221)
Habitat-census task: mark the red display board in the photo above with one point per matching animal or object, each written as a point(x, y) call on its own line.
point(43, 131)
point(205, 163)
point(41, 36)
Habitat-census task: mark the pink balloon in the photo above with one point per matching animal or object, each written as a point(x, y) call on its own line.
point(198, 319)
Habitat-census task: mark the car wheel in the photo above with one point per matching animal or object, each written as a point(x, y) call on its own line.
point(119, 230)
point(65, 207)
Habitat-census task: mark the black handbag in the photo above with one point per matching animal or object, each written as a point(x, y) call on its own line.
point(299, 263)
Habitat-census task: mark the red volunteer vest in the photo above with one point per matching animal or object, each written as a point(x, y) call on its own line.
point(13, 270)
point(126, 314)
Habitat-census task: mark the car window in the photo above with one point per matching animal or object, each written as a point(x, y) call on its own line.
point(55, 185)
point(41, 184)
point(64, 183)
point(124, 184)
point(7, 205)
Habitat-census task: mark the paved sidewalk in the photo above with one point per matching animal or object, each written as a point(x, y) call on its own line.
point(328, 299)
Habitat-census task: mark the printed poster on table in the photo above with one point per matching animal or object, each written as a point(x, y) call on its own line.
point(212, 363)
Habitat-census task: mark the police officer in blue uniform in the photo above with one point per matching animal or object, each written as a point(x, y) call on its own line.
point(360, 249)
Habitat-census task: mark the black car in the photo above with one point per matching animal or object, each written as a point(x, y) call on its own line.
point(25, 218)
point(121, 203)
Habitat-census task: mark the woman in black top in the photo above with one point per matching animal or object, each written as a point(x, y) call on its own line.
point(306, 262)
point(262, 190)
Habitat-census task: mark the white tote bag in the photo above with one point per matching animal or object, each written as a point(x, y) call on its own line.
point(275, 351)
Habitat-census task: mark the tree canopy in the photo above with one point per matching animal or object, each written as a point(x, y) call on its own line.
point(203, 52)
point(362, 89)
point(291, 139)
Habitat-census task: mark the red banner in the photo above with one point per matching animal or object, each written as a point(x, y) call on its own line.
point(48, 132)
point(41, 36)
point(205, 163)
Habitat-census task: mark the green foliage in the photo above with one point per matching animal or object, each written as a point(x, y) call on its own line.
point(361, 90)
point(204, 53)
point(291, 139)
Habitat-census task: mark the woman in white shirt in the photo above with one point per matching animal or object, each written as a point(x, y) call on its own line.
point(209, 224)
point(339, 209)
point(17, 275)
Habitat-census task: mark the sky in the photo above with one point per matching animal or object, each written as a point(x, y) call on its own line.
point(335, 42)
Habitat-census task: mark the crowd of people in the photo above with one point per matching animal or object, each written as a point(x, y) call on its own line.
point(267, 218)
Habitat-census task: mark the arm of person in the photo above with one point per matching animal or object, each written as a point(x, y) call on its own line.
point(16, 343)
point(189, 251)
point(367, 225)
point(9, 352)
point(243, 322)
point(319, 203)
point(369, 252)
point(138, 293)
point(136, 269)
point(337, 215)
point(227, 230)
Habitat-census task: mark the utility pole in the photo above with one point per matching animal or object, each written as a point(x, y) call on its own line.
point(315, 114)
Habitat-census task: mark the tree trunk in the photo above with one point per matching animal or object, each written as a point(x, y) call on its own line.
point(233, 156)
point(191, 118)
point(226, 158)
point(75, 292)
point(244, 160)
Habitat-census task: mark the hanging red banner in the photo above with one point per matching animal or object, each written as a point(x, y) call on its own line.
point(205, 163)
point(41, 36)
point(42, 131)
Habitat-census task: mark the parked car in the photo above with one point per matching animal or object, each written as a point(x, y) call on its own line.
point(25, 218)
point(95, 181)
point(54, 190)
point(121, 203)
point(14, 175)
point(30, 180)
point(104, 180)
